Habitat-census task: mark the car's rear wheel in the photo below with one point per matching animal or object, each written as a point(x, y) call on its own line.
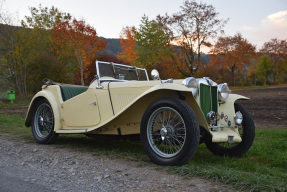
point(247, 134)
point(169, 132)
point(43, 123)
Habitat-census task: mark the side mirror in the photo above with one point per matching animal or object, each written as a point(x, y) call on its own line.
point(155, 74)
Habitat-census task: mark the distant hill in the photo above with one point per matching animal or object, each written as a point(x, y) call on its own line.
point(113, 46)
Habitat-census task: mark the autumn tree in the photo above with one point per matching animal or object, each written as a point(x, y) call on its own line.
point(26, 50)
point(44, 17)
point(14, 58)
point(192, 27)
point(79, 38)
point(42, 62)
point(128, 42)
point(13, 53)
point(208, 70)
point(263, 68)
point(152, 42)
point(42, 20)
point(277, 50)
point(231, 53)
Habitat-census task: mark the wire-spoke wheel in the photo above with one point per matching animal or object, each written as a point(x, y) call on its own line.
point(247, 133)
point(166, 132)
point(43, 123)
point(169, 132)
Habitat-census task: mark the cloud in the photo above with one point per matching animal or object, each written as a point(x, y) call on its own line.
point(272, 26)
point(277, 15)
point(278, 20)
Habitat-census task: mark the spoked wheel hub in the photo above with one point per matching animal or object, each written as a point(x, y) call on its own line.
point(167, 132)
point(41, 120)
point(163, 133)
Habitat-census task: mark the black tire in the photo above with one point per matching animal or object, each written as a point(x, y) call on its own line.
point(43, 123)
point(247, 133)
point(169, 132)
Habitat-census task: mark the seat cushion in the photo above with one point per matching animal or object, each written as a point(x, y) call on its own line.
point(69, 92)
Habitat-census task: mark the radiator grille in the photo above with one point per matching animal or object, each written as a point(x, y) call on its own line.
point(208, 99)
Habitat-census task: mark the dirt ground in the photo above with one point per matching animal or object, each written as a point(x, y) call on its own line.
point(268, 107)
point(9, 111)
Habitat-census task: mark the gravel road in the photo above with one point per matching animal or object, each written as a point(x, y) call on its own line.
point(26, 166)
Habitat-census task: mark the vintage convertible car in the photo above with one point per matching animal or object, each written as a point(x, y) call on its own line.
point(172, 117)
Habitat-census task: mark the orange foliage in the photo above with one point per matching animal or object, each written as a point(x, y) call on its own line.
point(167, 68)
point(231, 53)
point(79, 38)
point(128, 42)
point(208, 70)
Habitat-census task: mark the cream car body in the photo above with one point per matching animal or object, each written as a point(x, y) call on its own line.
point(112, 106)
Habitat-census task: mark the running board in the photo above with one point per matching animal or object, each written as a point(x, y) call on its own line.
point(72, 131)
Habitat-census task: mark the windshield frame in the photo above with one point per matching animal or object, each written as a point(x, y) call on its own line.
point(100, 79)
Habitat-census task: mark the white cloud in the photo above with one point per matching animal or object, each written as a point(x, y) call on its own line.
point(272, 26)
point(277, 15)
point(278, 20)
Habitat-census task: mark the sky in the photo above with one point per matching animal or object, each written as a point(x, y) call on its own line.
point(257, 20)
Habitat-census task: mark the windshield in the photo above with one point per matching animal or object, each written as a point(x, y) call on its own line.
point(107, 70)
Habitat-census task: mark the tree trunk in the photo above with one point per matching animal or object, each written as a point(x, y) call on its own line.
point(198, 53)
point(82, 73)
point(25, 80)
point(233, 74)
point(81, 64)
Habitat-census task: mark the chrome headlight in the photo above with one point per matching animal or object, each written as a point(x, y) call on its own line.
point(238, 118)
point(223, 91)
point(191, 82)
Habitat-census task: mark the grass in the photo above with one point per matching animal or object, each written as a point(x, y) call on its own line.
point(12, 124)
point(18, 102)
point(262, 168)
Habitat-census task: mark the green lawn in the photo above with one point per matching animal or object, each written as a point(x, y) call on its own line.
point(18, 102)
point(262, 168)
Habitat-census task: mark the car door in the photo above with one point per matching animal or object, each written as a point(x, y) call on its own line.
point(81, 111)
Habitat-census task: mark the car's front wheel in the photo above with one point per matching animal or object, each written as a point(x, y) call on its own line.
point(247, 134)
point(43, 123)
point(169, 132)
